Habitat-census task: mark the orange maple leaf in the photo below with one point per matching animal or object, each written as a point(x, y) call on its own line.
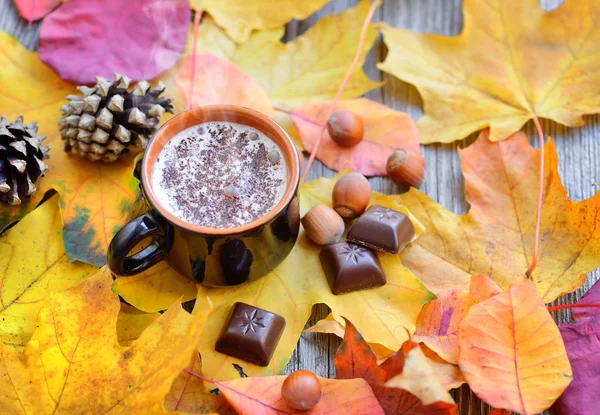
point(495, 237)
point(438, 321)
point(384, 131)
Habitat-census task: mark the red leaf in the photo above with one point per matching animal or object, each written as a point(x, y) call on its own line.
point(35, 9)
point(355, 358)
point(138, 38)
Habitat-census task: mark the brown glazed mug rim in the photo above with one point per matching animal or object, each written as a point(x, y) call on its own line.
point(283, 141)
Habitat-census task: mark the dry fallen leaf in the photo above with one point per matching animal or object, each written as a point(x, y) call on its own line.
point(404, 383)
point(33, 263)
point(218, 81)
point(438, 321)
point(85, 39)
point(582, 341)
point(263, 395)
point(95, 198)
point(75, 345)
point(131, 323)
point(35, 9)
point(382, 314)
point(310, 67)
point(511, 351)
point(495, 237)
point(240, 17)
point(512, 62)
point(385, 131)
point(188, 394)
point(448, 374)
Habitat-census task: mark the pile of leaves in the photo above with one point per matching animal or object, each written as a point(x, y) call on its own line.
point(458, 306)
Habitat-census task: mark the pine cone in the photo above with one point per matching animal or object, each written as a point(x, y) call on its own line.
point(21, 160)
point(109, 121)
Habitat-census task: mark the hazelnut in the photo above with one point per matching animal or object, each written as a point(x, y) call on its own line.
point(351, 195)
point(345, 128)
point(301, 390)
point(323, 225)
point(406, 168)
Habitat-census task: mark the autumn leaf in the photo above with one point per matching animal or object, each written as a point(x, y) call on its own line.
point(218, 81)
point(438, 321)
point(384, 131)
point(582, 341)
point(511, 352)
point(383, 314)
point(155, 289)
point(33, 263)
point(496, 236)
point(35, 9)
point(240, 17)
point(254, 395)
point(448, 374)
point(400, 383)
point(75, 345)
point(188, 394)
point(131, 323)
point(95, 198)
point(592, 296)
point(512, 62)
point(83, 39)
point(310, 67)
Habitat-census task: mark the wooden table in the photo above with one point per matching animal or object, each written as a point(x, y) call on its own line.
point(578, 149)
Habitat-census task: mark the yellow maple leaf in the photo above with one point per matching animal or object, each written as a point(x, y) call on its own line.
point(309, 67)
point(512, 62)
point(33, 262)
point(95, 198)
point(74, 363)
point(240, 17)
point(383, 314)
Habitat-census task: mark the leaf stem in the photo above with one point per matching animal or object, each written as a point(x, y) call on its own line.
point(197, 19)
point(565, 306)
point(536, 242)
point(361, 42)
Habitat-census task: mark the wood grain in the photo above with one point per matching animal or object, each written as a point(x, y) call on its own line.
point(578, 150)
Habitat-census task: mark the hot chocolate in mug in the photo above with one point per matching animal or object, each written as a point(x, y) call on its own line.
point(211, 256)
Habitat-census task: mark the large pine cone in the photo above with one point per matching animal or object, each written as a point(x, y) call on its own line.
point(109, 121)
point(21, 160)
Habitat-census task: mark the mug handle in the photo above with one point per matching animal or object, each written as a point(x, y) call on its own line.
point(149, 224)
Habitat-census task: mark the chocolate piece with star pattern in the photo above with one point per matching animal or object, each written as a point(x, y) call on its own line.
point(349, 267)
point(383, 229)
point(252, 334)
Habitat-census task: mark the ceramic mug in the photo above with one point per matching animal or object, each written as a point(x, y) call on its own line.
point(211, 256)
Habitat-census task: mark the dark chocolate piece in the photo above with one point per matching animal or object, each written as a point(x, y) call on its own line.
point(350, 267)
point(251, 334)
point(382, 229)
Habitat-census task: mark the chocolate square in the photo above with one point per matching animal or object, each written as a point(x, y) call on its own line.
point(350, 267)
point(383, 229)
point(251, 334)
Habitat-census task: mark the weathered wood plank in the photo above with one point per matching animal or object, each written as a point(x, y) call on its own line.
point(577, 148)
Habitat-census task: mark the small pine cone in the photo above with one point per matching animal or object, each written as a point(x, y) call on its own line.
point(109, 121)
point(21, 160)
